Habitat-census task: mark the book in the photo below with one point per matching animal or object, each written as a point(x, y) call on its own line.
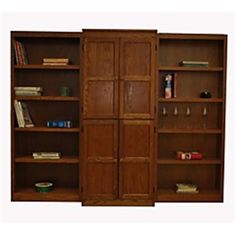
point(24, 111)
point(20, 53)
point(174, 87)
point(189, 156)
point(19, 115)
point(194, 63)
point(27, 88)
point(55, 64)
point(46, 155)
point(16, 54)
point(28, 93)
point(186, 188)
point(170, 85)
point(23, 52)
point(56, 60)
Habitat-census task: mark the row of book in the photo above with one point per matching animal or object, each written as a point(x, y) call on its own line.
point(22, 114)
point(55, 61)
point(20, 53)
point(28, 91)
point(46, 155)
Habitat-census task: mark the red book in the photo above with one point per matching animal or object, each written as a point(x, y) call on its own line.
point(19, 53)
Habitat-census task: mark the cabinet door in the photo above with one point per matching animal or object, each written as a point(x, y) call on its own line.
point(137, 78)
point(100, 78)
point(100, 159)
point(136, 159)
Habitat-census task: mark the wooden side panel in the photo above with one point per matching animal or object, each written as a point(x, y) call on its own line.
point(100, 157)
point(136, 159)
point(137, 78)
point(100, 78)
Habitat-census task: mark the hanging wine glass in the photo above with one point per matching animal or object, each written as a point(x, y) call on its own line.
point(204, 114)
point(188, 114)
point(175, 114)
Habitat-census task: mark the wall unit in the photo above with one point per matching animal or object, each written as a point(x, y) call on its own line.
point(122, 147)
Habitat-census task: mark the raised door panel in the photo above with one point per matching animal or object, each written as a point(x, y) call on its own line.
point(136, 159)
point(100, 159)
point(137, 78)
point(100, 78)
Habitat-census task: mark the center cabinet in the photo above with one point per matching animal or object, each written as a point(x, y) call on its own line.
point(119, 93)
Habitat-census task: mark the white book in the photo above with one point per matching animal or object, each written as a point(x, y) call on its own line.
point(18, 115)
point(26, 116)
point(27, 93)
point(53, 154)
point(46, 157)
point(28, 88)
point(21, 114)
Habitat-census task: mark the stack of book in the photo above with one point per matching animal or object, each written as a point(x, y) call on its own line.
point(46, 155)
point(55, 61)
point(186, 188)
point(28, 91)
point(20, 53)
point(194, 63)
point(22, 115)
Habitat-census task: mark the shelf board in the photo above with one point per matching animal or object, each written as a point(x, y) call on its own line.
point(57, 194)
point(48, 98)
point(182, 68)
point(42, 67)
point(170, 195)
point(193, 100)
point(188, 162)
point(189, 131)
point(62, 160)
point(46, 129)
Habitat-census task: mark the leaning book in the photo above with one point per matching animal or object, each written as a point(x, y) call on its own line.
point(26, 115)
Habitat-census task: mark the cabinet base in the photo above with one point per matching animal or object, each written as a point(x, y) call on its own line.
point(118, 203)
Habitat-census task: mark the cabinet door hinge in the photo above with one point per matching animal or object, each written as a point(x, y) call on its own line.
point(156, 47)
point(155, 129)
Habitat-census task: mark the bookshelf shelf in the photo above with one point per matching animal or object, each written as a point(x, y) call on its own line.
point(42, 67)
point(57, 194)
point(197, 69)
point(45, 129)
point(169, 195)
point(188, 162)
point(189, 131)
point(62, 160)
point(191, 100)
point(48, 98)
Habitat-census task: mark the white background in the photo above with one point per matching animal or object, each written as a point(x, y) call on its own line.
point(219, 216)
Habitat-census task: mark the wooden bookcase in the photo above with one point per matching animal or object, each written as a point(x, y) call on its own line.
point(26, 171)
point(195, 132)
point(121, 149)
